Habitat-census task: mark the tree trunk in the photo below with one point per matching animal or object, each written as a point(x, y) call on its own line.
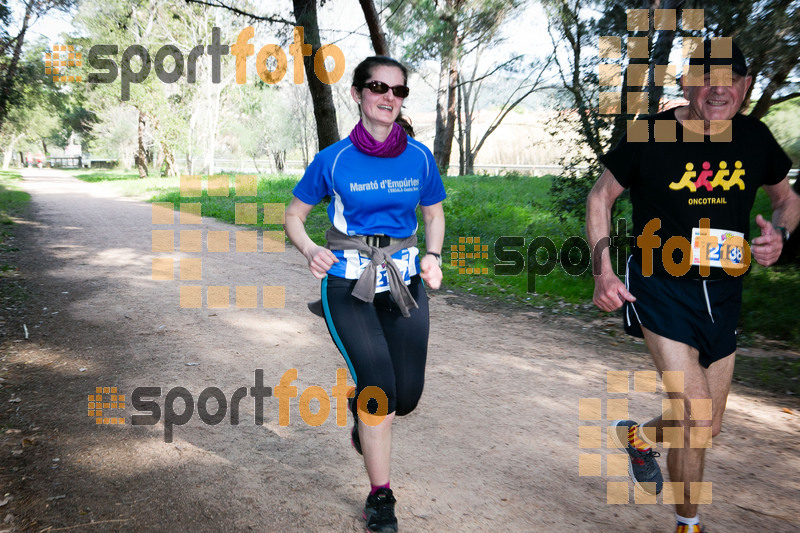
point(168, 159)
point(160, 160)
point(8, 155)
point(460, 136)
point(469, 163)
point(189, 141)
point(279, 156)
point(141, 153)
point(572, 30)
point(305, 12)
point(212, 114)
point(661, 52)
point(469, 155)
point(764, 103)
point(374, 25)
point(446, 103)
point(9, 79)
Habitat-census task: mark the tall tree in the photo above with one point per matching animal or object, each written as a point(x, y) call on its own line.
point(376, 33)
point(449, 29)
point(33, 122)
point(525, 78)
point(305, 12)
point(769, 34)
point(305, 15)
point(9, 64)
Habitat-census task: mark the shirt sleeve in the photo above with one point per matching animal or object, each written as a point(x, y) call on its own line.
point(623, 160)
point(778, 163)
point(315, 183)
point(432, 190)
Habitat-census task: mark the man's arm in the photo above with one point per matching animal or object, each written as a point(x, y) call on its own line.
point(786, 212)
point(609, 291)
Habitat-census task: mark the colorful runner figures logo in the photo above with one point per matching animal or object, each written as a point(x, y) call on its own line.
point(719, 180)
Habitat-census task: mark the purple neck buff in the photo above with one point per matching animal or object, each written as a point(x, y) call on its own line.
point(393, 146)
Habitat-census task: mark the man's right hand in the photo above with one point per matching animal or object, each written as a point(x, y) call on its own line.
point(610, 293)
point(320, 260)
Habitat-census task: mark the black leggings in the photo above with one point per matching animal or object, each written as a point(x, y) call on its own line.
point(381, 348)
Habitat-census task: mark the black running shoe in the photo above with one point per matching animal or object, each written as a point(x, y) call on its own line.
point(355, 440)
point(379, 512)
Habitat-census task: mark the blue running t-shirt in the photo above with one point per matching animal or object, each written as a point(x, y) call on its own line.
point(373, 195)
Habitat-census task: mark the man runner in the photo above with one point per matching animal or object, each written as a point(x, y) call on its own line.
point(691, 191)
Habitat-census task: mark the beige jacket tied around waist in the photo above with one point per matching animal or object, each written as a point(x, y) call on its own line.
point(364, 289)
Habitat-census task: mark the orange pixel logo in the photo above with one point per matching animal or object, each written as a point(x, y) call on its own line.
point(590, 437)
point(193, 240)
point(63, 56)
point(459, 254)
point(638, 75)
point(97, 403)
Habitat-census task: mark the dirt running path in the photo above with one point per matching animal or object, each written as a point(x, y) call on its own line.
point(492, 447)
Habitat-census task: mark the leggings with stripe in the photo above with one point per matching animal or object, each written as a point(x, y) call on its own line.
point(381, 348)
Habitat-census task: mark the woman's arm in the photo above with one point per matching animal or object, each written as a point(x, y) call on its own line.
point(320, 259)
point(433, 216)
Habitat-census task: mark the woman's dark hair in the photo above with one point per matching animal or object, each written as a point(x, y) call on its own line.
point(405, 122)
point(363, 71)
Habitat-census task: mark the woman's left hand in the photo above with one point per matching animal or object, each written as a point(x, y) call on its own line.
point(431, 272)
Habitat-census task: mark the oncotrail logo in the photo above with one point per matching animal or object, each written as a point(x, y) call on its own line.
point(137, 63)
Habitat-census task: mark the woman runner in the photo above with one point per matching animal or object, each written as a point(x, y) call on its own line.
point(373, 298)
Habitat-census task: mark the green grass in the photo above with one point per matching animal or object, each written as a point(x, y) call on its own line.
point(97, 177)
point(269, 189)
point(12, 200)
point(490, 207)
point(770, 294)
point(776, 374)
point(13, 203)
point(127, 182)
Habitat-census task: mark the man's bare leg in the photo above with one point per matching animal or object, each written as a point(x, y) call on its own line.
point(698, 421)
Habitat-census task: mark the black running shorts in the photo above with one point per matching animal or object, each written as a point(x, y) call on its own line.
point(700, 313)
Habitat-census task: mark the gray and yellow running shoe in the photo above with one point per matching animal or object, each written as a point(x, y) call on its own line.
point(643, 467)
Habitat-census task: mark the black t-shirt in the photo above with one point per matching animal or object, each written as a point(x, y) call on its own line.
point(681, 182)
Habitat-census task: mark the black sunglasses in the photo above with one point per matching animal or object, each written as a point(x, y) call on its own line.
point(378, 87)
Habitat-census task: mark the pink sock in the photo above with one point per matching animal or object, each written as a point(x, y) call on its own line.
point(376, 487)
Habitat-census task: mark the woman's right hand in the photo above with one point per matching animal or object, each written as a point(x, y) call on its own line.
point(320, 260)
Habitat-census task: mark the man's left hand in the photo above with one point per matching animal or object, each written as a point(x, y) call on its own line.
point(767, 248)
